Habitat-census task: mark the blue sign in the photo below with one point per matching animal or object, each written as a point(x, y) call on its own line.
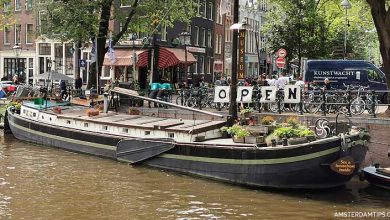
point(83, 63)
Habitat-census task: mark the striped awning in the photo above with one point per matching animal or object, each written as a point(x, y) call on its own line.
point(124, 57)
point(167, 57)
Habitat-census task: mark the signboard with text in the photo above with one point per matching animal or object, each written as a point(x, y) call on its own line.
point(241, 55)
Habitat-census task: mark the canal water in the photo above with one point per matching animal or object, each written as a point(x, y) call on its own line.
point(38, 182)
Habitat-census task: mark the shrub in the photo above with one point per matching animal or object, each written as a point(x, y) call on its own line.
point(267, 120)
point(305, 132)
point(292, 132)
point(224, 129)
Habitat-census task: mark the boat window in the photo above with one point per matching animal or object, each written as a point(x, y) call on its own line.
point(85, 125)
point(68, 122)
point(171, 135)
point(125, 130)
point(43, 117)
point(147, 132)
point(50, 119)
point(34, 114)
point(105, 127)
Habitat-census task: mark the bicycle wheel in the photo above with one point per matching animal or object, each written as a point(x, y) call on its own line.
point(180, 100)
point(368, 106)
point(191, 102)
point(357, 106)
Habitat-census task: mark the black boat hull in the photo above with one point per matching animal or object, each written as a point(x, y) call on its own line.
point(306, 166)
point(375, 178)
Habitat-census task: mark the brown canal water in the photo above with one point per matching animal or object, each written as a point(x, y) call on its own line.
point(38, 182)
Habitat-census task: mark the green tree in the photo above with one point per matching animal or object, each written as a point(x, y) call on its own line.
point(82, 20)
point(6, 14)
point(380, 11)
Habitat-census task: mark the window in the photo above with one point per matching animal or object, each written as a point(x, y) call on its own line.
point(171, 135)
point(147, 132)
point(67, 121)
point(216, 43)
point(204, 8)
point(7, 5)
point(218, 16)
point(18, 28)
point(86, 125)
point(18, 5)
point(211, 10)
point(44, 49)
point(29, 4)
point(29, 34)
point(105, 128)
point(68, 59)
point(42, 21)
point(209, 39)
point(125, 130)
point(7, 36)
point(196, 36)
point(374, 76)
point(203, 37)
point(196, 65)
point(201, 62)
point(34, 114)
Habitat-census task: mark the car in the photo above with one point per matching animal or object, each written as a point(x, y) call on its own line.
point(5, 85)
point(345, 72)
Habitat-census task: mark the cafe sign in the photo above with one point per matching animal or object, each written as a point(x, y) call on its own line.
point(344, 166)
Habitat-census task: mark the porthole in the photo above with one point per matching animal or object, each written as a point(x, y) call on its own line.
point(171, 135)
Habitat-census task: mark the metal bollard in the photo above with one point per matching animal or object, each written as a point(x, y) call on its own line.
point(349, 100)
point(373, 104)
point(323, 107)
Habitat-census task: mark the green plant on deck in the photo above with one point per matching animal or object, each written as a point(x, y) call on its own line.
point(292, 132)
point(238, 131)
point(224, 129)
point(293, 121)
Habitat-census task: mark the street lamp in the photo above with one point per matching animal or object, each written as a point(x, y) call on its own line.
point(185, 39)
point(17, 51)
point(346, 5)
point(133, 37)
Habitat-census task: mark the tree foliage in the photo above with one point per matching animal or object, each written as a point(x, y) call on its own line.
point(84, 20)
point(321, 25)
point(7, 17)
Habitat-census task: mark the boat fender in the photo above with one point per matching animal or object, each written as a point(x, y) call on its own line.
point(344, 146)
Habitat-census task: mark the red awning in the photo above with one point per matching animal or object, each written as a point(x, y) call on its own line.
point(167, 57)
point(173, 56)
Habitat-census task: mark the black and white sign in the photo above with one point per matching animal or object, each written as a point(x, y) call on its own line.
point(292, 94)
point(268, 94)
point(244, 94)
point(222, 94)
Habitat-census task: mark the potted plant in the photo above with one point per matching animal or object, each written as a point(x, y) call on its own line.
point(267, 120)
point(268, 123)
point(134, 111)
point(246, 112)
point(92, 112)
point(57, 110)
point(224, 131)
point(238, 133)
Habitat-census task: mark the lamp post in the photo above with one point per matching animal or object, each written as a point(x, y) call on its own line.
point(185, 39)
point(17, 51)
point(133, 37)
point(346, 5)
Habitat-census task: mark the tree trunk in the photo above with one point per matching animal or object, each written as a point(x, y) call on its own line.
point(381, 19)
point(101, 44)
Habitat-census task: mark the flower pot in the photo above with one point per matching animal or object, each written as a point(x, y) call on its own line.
point(238, 140)
point(250, 140)
point(299, 140)
point(311, 138)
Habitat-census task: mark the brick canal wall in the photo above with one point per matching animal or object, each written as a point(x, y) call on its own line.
point(379, 128)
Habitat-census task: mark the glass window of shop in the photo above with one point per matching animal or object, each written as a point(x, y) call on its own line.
point(68, 59)
point(11, 68)
point(58, 55)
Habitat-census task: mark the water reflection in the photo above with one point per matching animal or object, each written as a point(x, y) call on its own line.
point(47, 183)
